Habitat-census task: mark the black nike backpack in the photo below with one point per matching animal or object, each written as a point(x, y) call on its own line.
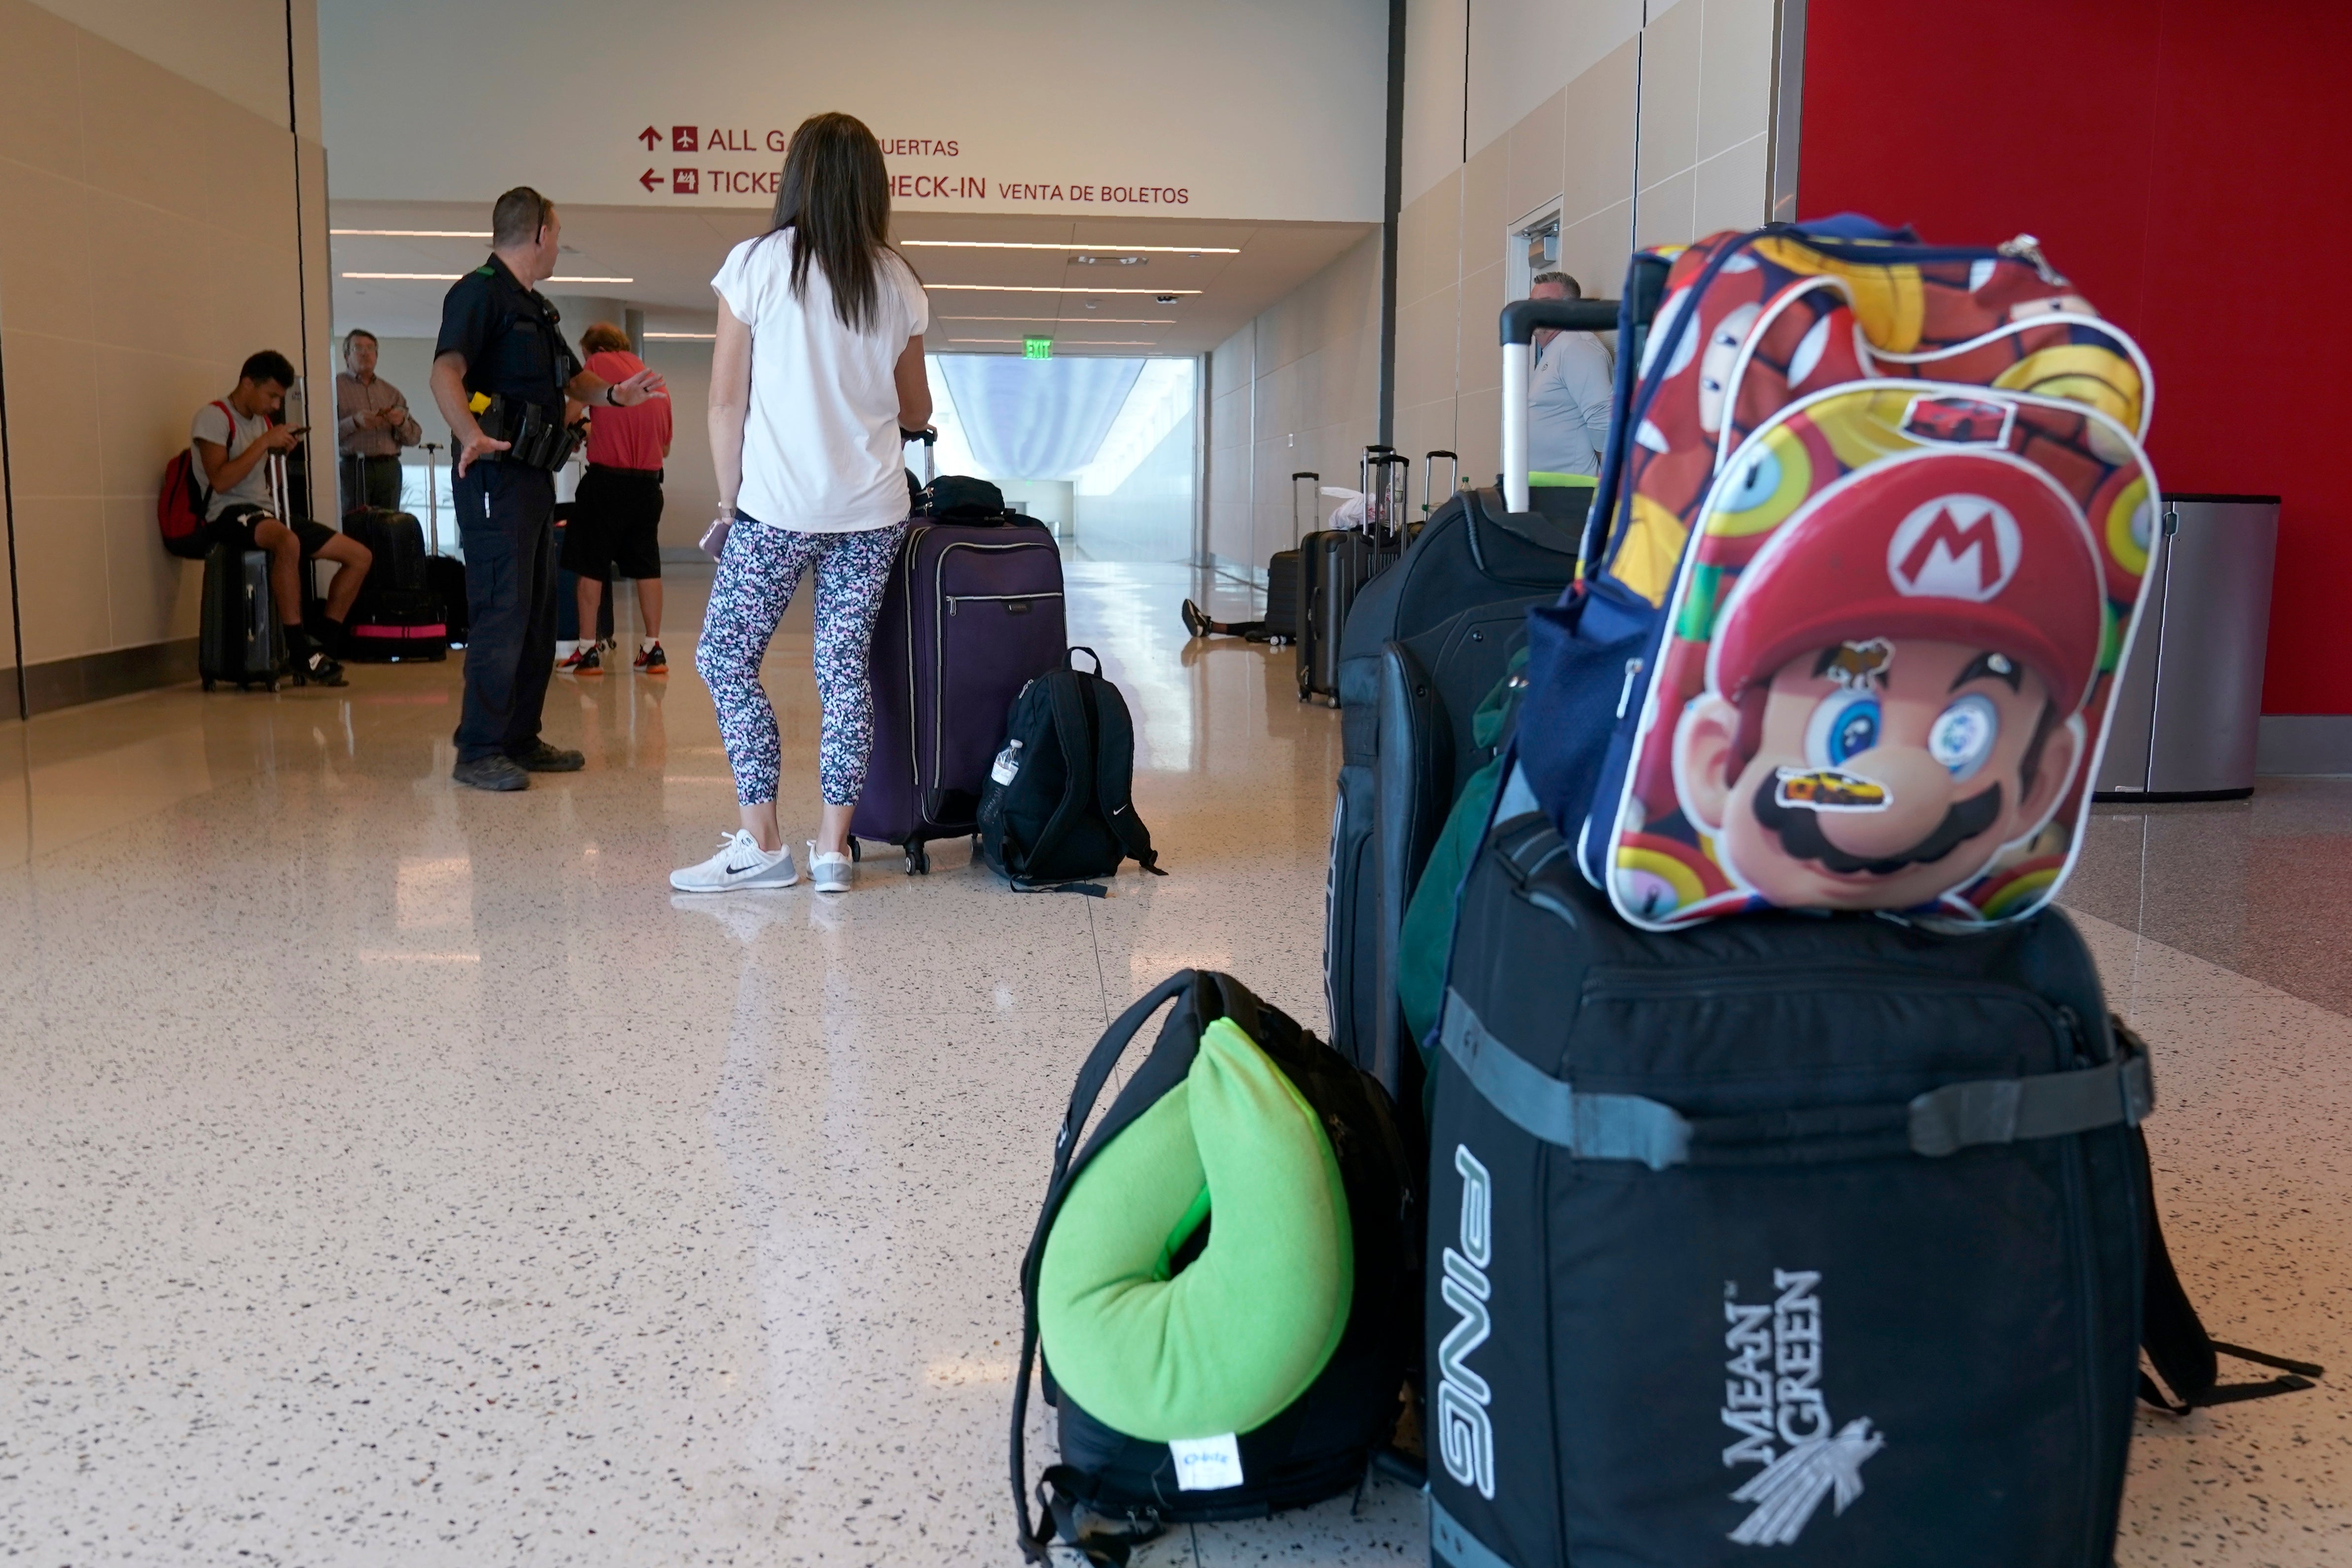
point(1822, 1233)
point(1055, 812)
point(1110, 1492)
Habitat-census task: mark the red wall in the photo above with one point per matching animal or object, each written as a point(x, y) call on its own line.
point(2189, 162)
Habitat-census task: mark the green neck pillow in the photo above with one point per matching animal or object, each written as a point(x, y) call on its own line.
point(1230, 1340)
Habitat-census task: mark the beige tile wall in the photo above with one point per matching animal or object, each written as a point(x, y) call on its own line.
point(148, 243)
point(1297, 389)
point(1660, 136)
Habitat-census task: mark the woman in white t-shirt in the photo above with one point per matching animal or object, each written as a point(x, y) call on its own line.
point(817, 367)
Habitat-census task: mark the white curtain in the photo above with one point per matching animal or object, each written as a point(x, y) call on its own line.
point(1036, 418)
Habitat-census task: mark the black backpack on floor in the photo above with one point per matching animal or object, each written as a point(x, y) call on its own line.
point(1824, 1232)
point(1055, 810)
point(1111, 1492)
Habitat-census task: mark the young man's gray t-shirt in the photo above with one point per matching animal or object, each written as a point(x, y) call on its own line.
point(233, 433)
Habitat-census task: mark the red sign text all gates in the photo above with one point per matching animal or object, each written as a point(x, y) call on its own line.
point(731, 139)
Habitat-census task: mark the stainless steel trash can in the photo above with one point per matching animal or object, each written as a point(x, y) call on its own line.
point(2189, 700)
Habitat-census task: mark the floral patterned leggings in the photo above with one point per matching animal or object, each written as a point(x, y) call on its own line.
point(757, 573)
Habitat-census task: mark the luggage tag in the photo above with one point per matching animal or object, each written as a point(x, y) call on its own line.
point(1207, 1464)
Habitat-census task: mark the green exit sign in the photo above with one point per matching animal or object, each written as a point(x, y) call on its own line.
point(1036, 347)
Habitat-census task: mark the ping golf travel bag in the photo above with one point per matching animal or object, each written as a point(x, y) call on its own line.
point(1056, 811)
point(1823, 1233)
point(1246, 1162)
point(237, 637)
point(1877, 518)
point(397, 616)
point(972, 613)
point(1423, 644)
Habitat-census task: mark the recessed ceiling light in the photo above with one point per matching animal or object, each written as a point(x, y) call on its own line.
point(1066, 245)
point(1110, 261)
point(417, 233)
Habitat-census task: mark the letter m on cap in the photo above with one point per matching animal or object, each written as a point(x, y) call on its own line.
point(1954, 547)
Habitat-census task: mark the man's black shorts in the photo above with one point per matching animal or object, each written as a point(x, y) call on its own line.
point(615, 527)
point(234, 527)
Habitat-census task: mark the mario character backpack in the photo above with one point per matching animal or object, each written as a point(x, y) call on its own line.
point(1877, 527)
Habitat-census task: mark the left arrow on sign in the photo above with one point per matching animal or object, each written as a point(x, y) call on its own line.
point(650, 137)
point(649, 180)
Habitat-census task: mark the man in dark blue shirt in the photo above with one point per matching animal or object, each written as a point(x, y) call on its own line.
point(502, 373)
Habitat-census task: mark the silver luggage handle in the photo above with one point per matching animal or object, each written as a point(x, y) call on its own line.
point(1520, 320)
point(930, 439)
point(1429, 472)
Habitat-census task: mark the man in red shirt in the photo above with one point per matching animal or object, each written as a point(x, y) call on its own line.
point(616, 523)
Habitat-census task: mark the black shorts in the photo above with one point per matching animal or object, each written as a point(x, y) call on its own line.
point(235, 524)
point(615, 524)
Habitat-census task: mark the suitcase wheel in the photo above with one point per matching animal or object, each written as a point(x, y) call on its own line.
point(856, 852)
point(918, 860)
point(208, 683)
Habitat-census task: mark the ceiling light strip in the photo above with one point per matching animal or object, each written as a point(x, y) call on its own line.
point(681, 337)
point(1082, 245)
point(453, 277)
point(1035, 289)
point(1078, 320)
point(417, 233)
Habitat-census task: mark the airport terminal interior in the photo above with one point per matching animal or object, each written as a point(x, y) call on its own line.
point(405, 1173)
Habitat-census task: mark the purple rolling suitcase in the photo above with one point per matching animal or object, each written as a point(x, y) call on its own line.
point(973, 612)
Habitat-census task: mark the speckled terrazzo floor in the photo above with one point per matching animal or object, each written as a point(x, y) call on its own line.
point(402, 1176)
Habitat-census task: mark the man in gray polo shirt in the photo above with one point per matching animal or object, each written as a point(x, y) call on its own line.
point(1569, 392)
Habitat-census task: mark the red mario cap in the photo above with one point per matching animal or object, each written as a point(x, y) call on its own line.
point(1965, 547)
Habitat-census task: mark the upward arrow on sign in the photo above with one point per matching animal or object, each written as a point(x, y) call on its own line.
point(650, 137)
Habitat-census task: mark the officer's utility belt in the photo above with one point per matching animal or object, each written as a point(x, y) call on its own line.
point(534, 438)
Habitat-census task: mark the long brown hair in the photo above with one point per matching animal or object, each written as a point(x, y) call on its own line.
point(835, 195)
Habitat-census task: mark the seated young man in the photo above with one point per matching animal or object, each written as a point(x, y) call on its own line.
point(232, 440)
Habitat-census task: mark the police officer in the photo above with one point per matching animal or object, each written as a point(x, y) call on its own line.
point(501, 372)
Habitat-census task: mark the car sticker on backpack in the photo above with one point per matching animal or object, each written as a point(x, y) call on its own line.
point(1772, 1399)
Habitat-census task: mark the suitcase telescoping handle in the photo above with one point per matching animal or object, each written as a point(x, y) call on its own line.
point(930, 440)
point(1520, 320)
point(1382, 476)
point(1298, 532)
point(1429, 472)
point(432, 494)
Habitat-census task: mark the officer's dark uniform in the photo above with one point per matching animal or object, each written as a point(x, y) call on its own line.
point(506, 511)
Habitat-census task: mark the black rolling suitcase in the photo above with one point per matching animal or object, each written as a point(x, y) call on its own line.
point(1336, 563)
point(443, 575)
point(397, 616)
point(1280, 623)
point(237, 637)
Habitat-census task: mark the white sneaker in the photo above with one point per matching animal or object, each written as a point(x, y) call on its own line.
point(830, 872)
point(739, 863)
